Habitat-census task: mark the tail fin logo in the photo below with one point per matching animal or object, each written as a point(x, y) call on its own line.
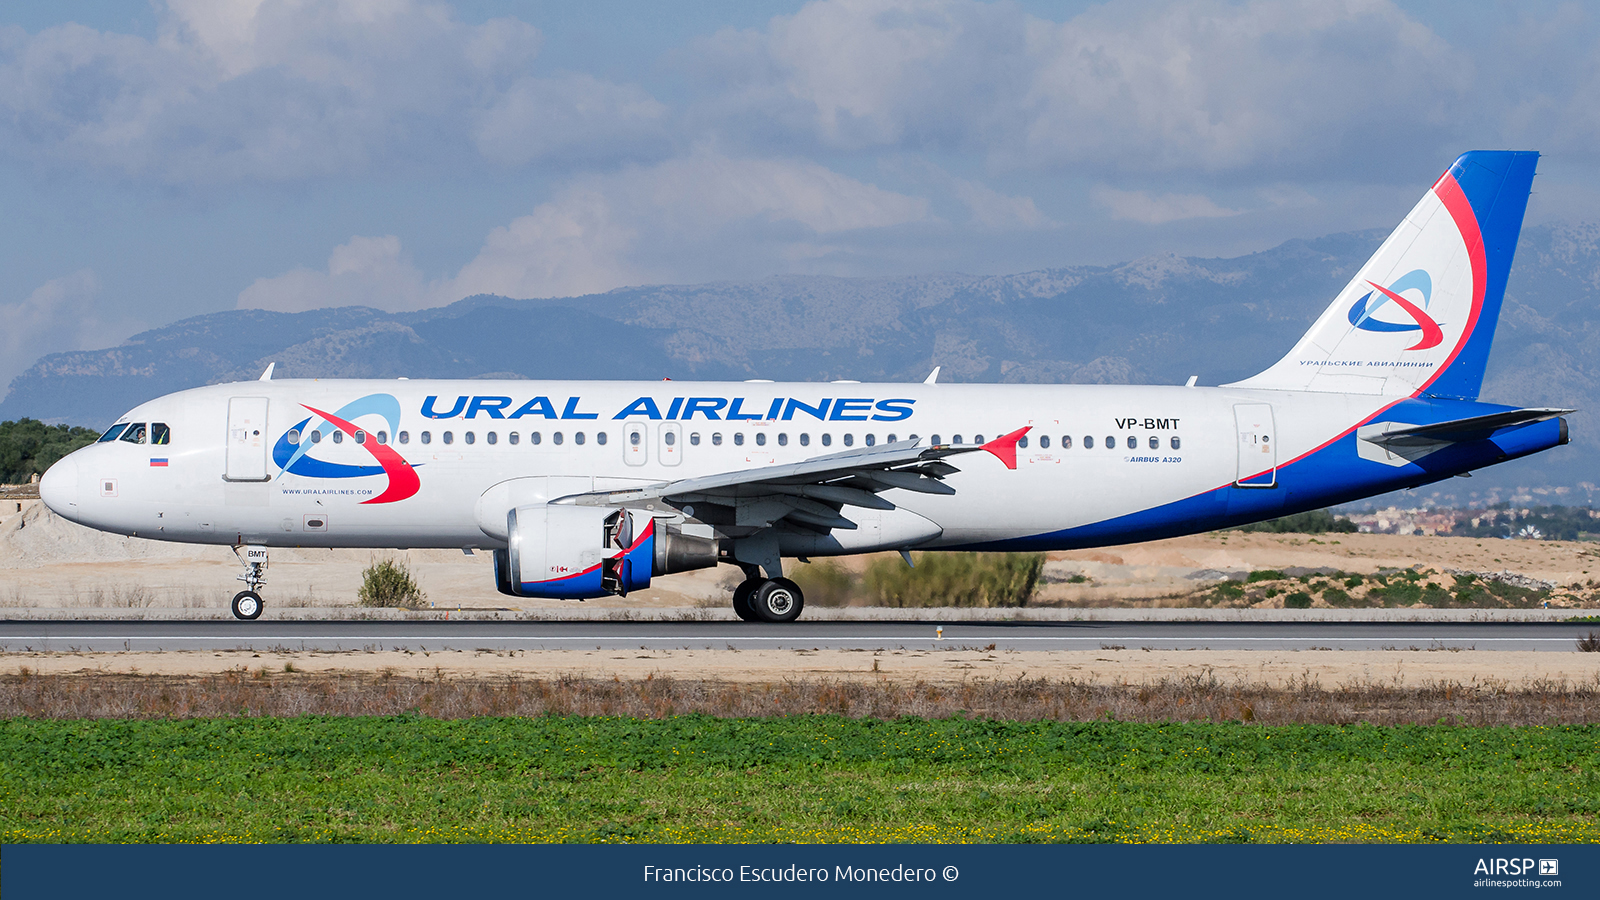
point(1362, 313)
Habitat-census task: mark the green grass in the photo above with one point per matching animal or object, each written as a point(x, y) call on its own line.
point(809, 778)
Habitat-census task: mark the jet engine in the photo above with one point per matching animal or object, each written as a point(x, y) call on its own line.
point(581, 552)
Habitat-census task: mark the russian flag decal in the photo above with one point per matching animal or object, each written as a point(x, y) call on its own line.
point(158, 461)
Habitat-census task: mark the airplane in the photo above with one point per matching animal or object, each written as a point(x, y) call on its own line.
point(585, 489)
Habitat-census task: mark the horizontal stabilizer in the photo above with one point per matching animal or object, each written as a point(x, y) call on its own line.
point(1476, 428)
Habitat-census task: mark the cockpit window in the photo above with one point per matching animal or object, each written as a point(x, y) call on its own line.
point(112, 433)
point(160, 433)
point(135, 433)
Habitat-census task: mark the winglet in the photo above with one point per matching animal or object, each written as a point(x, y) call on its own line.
point(933, 377)
point(1005, 448)
point(267, 375)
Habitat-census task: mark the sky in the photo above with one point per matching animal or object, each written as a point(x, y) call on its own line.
point(180, 157)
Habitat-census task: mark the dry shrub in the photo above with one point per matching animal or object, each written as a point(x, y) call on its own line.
point(956, 579)
point(389, 582)
point(1193, 698)
point(824, 584)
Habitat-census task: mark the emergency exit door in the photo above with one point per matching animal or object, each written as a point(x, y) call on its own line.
point(1258, 446)
point(247, 439)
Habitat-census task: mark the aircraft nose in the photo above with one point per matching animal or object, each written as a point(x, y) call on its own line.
point(59, 488)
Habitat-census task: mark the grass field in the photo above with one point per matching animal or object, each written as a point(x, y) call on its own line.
point(700, 778)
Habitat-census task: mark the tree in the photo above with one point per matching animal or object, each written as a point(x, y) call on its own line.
point(28, 447)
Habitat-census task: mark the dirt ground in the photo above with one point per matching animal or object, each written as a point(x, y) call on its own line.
point(47, 562)
point(1396, 668)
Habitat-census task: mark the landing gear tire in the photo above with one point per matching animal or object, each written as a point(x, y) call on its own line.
point(247, 605)
point(777, 600)
point(741, 599)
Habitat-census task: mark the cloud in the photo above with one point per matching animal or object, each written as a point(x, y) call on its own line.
point(366, 271)
point(1142, 207)
point(279, 90)
point(680, 220)
point(1293, 86)
point(57, 316)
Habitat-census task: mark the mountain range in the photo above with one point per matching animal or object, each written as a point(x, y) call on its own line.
point(1154, 320)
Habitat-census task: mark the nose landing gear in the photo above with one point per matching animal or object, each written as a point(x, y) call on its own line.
point(247, 604)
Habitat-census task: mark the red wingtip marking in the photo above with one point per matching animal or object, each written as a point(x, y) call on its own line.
point(1005, 448)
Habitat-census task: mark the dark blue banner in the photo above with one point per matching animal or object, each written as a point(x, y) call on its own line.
point(273, 872)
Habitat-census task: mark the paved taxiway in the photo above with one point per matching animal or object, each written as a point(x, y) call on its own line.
point(330, 636)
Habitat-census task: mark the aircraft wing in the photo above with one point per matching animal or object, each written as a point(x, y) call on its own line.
point(809, 494)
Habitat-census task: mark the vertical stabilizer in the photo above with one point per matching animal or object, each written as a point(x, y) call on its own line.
point(1420, 315)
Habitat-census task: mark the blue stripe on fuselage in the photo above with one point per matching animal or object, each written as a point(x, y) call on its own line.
point(1332, 474)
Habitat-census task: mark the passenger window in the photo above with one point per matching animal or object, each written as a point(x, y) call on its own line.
point(933, 439)
point(361, 436)
point(338, 437)
point(492, 438)
point(694, 438)
point(889, 439)
point(827, 440)
point(977, 439)
point(426, 436)
point(1044, 442)
point(160, 433)
point(1176, 443)
point(849, 440)
point(955, 439)
point(513, 439)
point(578, 438)
point(293, 437)
point(1111, 442)
point(805, 439)
point(316, 436)
point(761, 439)
point(449, 437)
point(112, 433)
point(471, 438)
point(1023, 442)
point(872, 440)
point(135, 433)
point(1088, 442)
point(738, 439)
point(783, 439)
point(1155, 442)
point(600, 438)
point(716, 439)
point(670, 439)
point(556, 437)
point(405, 437)
point(1066, 442)
point(1133, 442)
point(534, 438)
point(383, 437)
point(634, 438)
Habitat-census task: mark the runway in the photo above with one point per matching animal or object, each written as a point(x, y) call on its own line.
point(337, 636)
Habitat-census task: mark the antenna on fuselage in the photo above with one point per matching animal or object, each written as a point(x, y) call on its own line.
point(267, 375)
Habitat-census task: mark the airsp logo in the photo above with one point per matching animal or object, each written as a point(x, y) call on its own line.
point(1502, 866)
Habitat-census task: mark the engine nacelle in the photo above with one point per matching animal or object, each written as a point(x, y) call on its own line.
point(581, 552)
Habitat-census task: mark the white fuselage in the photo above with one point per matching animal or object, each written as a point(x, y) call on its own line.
point(1093, 453)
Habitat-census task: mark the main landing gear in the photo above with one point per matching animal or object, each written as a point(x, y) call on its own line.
point(758, 599)
point(247, 603)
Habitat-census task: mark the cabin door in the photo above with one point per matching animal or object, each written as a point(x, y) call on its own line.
point(1258, 446)
point(247, 439)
